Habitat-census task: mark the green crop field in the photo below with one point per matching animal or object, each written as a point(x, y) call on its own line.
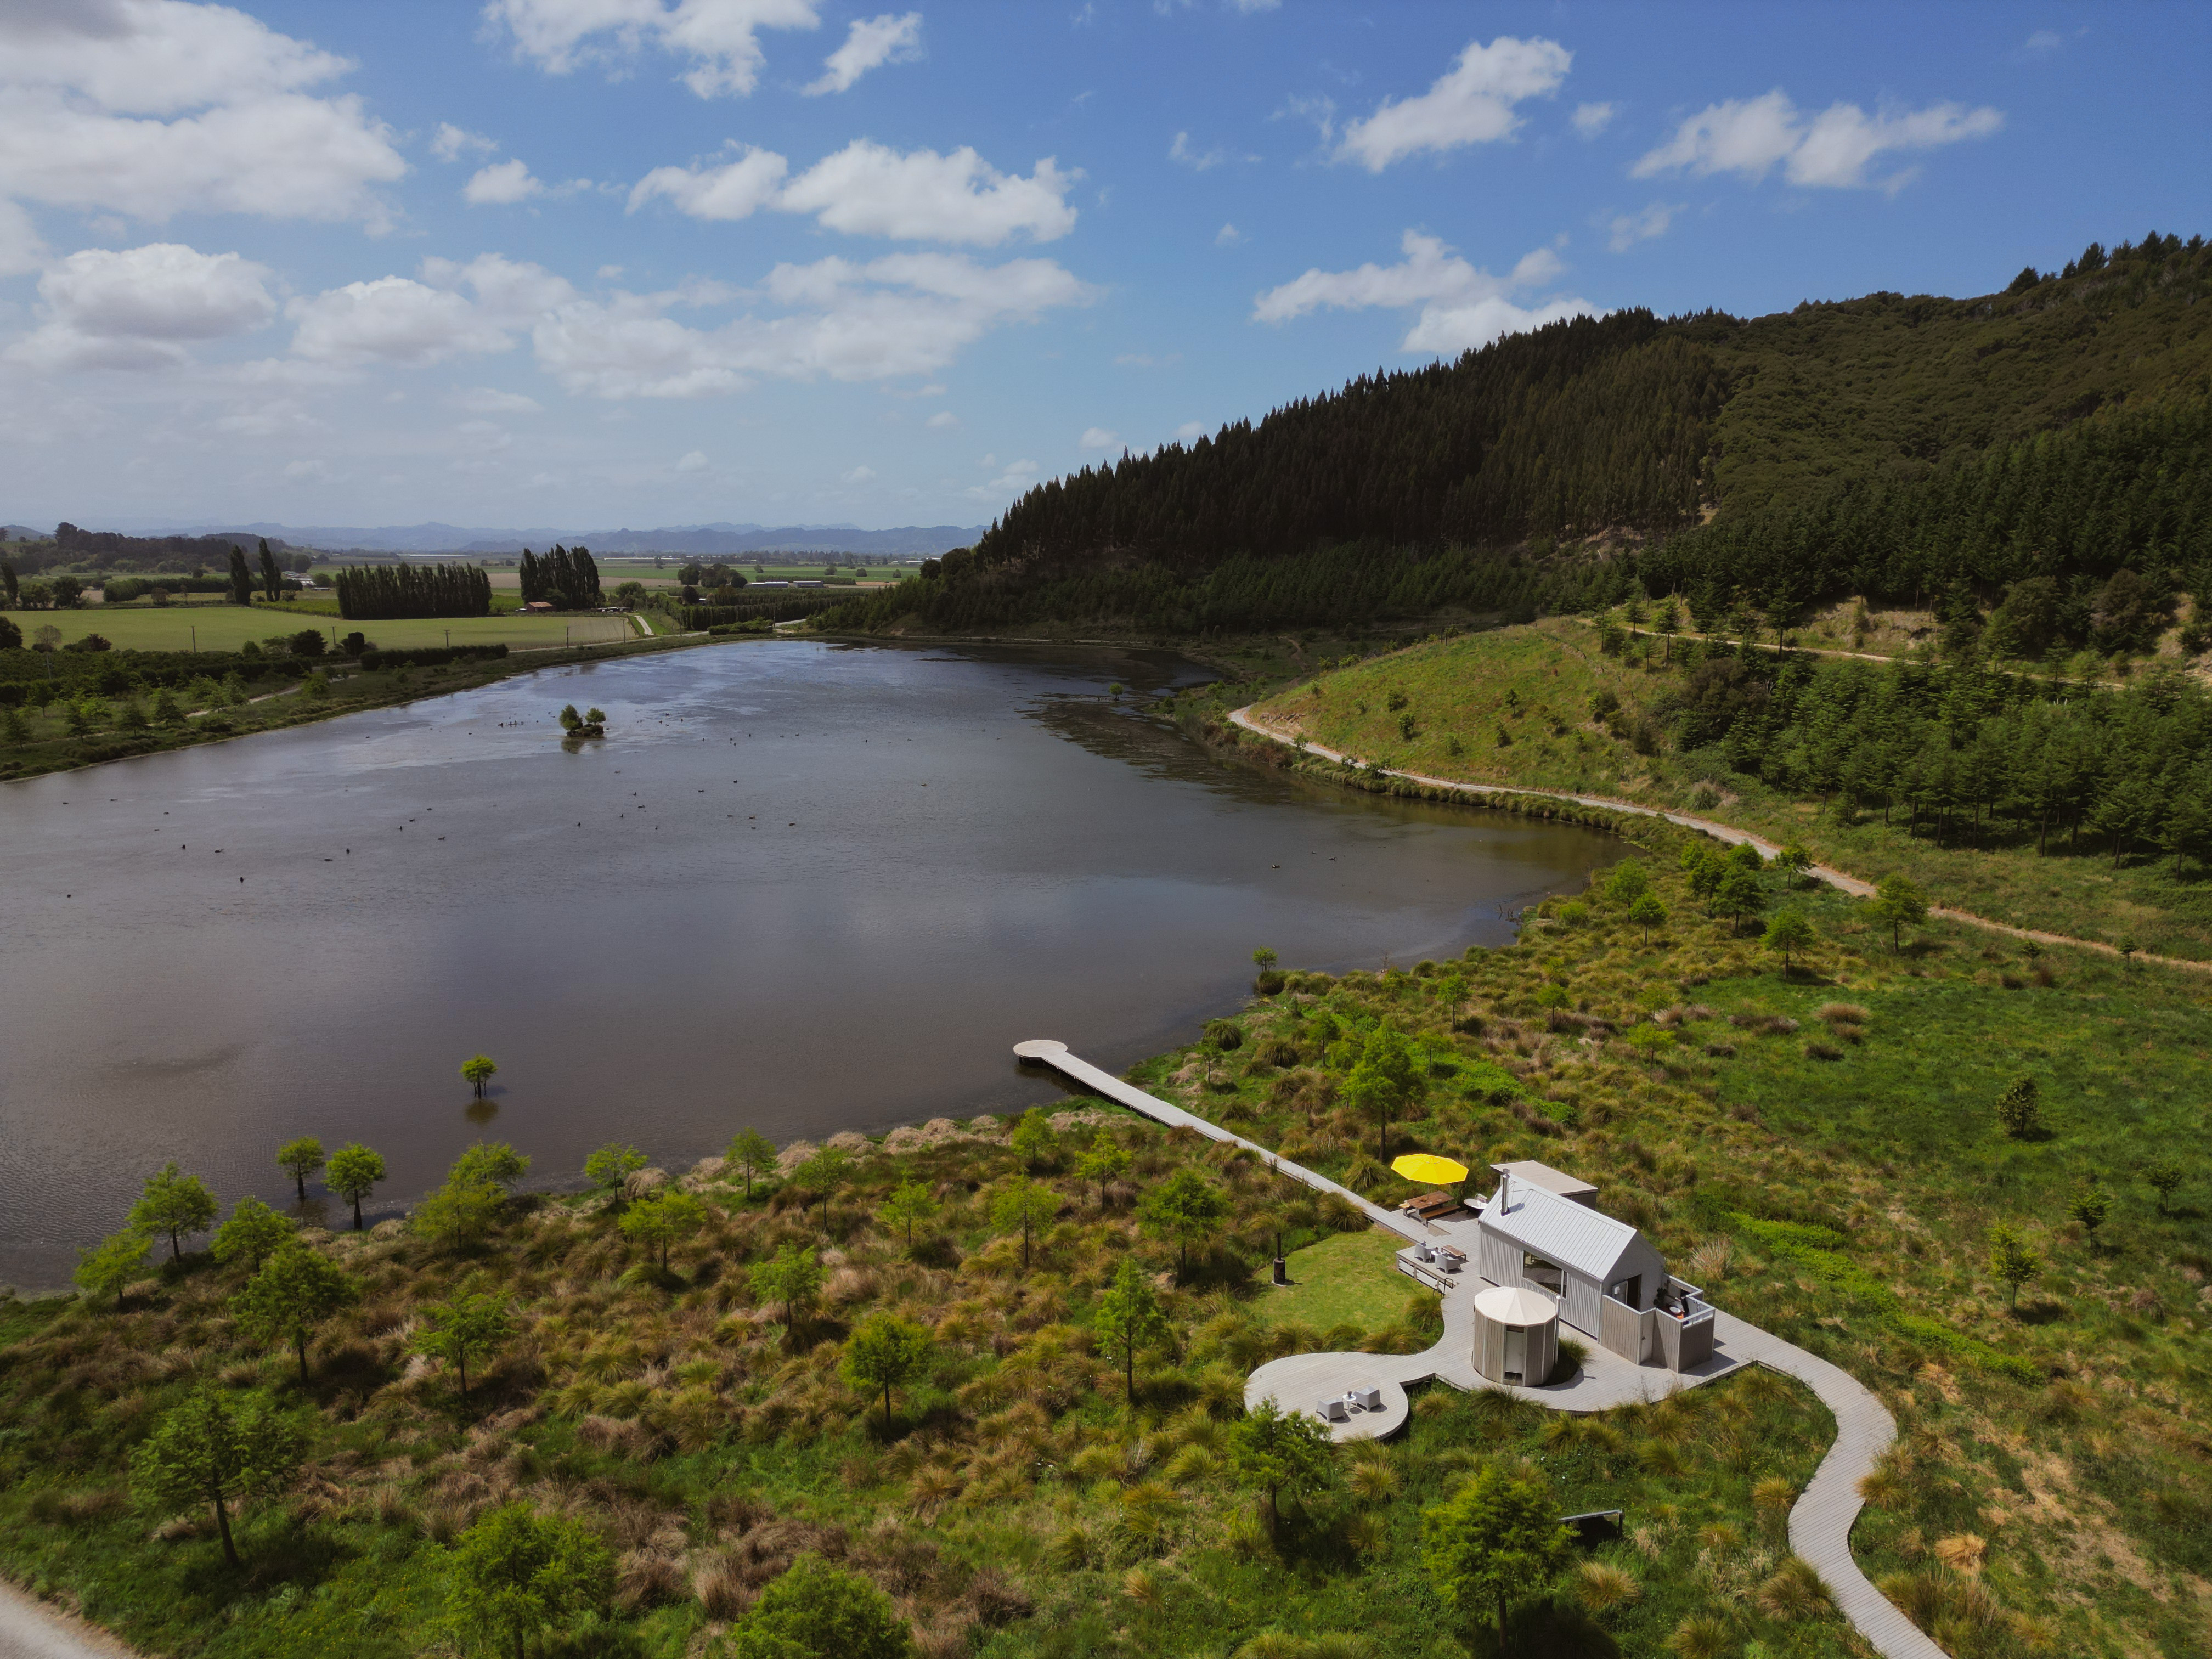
point(225, 628)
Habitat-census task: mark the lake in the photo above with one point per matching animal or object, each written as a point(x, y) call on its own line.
point(800, 885)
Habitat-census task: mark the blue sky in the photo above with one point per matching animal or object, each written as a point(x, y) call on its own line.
point(591, 262)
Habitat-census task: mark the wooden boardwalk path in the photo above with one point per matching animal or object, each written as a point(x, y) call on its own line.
point(1819, 1523)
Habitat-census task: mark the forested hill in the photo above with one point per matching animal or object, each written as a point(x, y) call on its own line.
point(1491, 482)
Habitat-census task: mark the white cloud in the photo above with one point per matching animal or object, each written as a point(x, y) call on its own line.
point(868, 189)
point(1228, 236)
point(90, 89)
point(1626, 229)
point(489, 400)
point(735, 190)
point(137, 308)
point(2042, 41)
point(1097, 437)
point(1191, 431)
point(1472, 103)
point(859, 474)
point(1591, 119)
point(1018, 476)
point(872, 43)
point(501, 184)
point(719, 36)
point(906, 313)
point(1461, 306)
point(21, 248)
point(452, 142)
point(1253, 7)
point(1752, 136)
point(944, 420)
point(1197, 160)
point(398, 320)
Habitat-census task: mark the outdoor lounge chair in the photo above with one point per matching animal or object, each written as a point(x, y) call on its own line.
point(1332, 1410)
point(1368, 1399)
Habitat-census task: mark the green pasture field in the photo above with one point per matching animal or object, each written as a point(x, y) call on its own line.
point(225, 628)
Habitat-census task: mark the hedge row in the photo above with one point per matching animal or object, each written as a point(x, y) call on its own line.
point(429, 656)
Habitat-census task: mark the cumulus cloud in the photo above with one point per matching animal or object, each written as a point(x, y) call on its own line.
point(867, 189)
point(489, 400)
point(21, 248)
point(1471, 104)
point(1591, 119)
point(156, 108)
point(734, 190)
point(1228, 236)
point(859, 474)
point(872, 43)
point(944, 420)
point(452, 142)
point(138, 308)
point(1097, 437)
point(1017, 477)
point(1624, 230)
point(1832, 150)
point(720, 37)
point(693, 461)
point(1461, 306)
point(400, 319)
point(1197, 160)
point(907, 314)
point(500, 184)
point(1190, 431)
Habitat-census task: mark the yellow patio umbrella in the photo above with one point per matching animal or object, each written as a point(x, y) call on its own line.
point(1427, 1166)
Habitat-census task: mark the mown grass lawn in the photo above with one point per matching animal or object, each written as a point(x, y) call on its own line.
point(1345, 1279)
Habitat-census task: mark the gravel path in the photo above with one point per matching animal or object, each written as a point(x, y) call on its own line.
point(29, 1629)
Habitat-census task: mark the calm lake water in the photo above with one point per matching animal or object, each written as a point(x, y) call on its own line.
point(802, 886)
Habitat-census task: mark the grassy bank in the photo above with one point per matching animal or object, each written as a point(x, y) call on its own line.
point(1517, 705)
point(227, 627)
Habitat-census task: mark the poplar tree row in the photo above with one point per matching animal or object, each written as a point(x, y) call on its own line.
point(382, 591)
point(565, 578)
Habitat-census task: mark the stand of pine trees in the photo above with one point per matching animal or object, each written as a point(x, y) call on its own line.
point(384, 592)
point(565, 578)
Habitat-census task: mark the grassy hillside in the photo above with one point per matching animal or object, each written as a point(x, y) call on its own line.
point(1820, 1149)
point(1950, 777)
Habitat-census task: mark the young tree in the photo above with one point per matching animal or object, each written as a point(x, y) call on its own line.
point(493, 1163)
point(2012, 1260)
point(820, 1174)
point(296, 1290)
point(108, 1266)
point(1497, 1540)
point(1627, 882)
point(216, 1450)
point(1790, 934)
point(1032, 1139)
point(1107, 1160)
point(1277, 1451)
point(1793, 861)
point(517, 1573)
point(1452, 988)
point(753, 1154)
point(479, 1069)
point(2089, 1206)
point(658, 1221)
point(791, 1276)
point(1265, 960)
point(1898, 905)
point(611, 1165)
point(2017, 1111)
point(816, 1611)
point(1128, 1317)
point(2163, 1178)
point(459, 1213)
point(907, 1207)
point(253, 1231)
point(1739, 896)
point(1185, 1207)
point(300, 1159)
point(173, 1203)
point(1023, 1206)
point(885, 1352)
point(1386, 1080)
point(1647, 913)
point(353, 1173)
point(463, 1329)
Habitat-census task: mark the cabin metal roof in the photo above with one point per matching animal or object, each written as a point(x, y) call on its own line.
point(1550, 1180)
point(1561, 1230)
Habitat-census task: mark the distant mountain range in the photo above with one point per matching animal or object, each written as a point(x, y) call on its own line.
point(923, 541)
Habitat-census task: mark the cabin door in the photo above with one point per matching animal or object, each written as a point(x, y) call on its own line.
point(1517, 1355)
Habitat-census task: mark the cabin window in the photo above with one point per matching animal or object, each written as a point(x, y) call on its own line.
point(1538, 1272)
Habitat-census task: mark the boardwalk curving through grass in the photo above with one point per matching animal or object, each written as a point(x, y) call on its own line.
point(1244, 720)
point(1820, 1522)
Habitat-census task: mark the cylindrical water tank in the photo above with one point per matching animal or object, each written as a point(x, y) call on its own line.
point(1517, 1336)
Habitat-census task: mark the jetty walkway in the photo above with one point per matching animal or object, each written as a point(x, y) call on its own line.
point(1822, 1519)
